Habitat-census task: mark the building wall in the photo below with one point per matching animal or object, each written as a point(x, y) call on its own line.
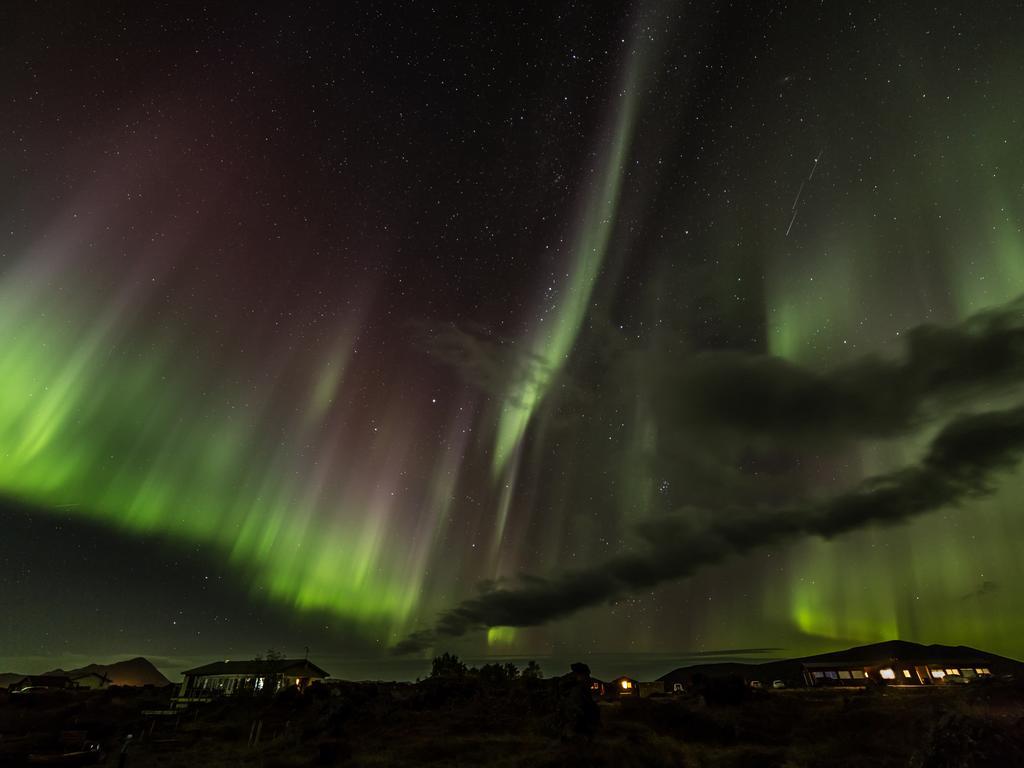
point(647, 689)
point(623, 686)
point(230, 685)
point(893, 673)
point(91, 682)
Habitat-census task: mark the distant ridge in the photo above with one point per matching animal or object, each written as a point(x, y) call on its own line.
point(6, 678)
point(889, 649)
point(134, 672)
point(137, 672)
point(897, 649)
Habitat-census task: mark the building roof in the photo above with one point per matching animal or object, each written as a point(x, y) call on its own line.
point(289, 667)
point(900, 650)
point(911, 661)
point(76, 676)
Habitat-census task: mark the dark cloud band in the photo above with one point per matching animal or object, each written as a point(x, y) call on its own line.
point(872, 398)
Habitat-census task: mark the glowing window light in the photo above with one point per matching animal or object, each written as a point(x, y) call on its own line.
point(626, 685)
point(983, 671)
point(906, 673)
point(938, 674)
point(887, 674)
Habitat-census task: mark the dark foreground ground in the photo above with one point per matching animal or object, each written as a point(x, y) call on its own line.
point(530, 723)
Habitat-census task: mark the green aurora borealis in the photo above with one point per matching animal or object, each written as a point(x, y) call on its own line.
point(214, 335)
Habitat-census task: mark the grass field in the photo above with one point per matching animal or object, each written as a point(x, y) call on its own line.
point(532, 723)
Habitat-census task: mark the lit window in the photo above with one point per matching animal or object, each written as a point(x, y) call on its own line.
point(983, 671)
point(844, 675)
point(951, 671)
point(938, 674)
point(626, 685)
point(887, 674)
point(818, 675)
point(858, 674)
point(259, 683)
point(906, 673)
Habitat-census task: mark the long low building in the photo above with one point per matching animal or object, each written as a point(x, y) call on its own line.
point(233, 678)
point(896, 672)
point(892, 662)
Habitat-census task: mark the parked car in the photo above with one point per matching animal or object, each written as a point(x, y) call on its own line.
point(778, 684)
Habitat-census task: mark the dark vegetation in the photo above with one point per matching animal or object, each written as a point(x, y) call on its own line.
point(500, 715)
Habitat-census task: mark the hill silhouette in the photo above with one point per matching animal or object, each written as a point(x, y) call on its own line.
point(136, 672)
point(6, 678)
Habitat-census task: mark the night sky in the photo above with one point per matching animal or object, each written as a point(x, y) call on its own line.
point(548, 331)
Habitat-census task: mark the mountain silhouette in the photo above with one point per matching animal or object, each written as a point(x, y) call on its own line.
point(138, 671)
point(6, 678)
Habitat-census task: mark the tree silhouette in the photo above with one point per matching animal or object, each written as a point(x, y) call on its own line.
point(447, 665)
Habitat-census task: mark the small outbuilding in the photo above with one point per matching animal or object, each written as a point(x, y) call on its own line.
point(93, 681)
point(623, 686)
point(653, 688)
